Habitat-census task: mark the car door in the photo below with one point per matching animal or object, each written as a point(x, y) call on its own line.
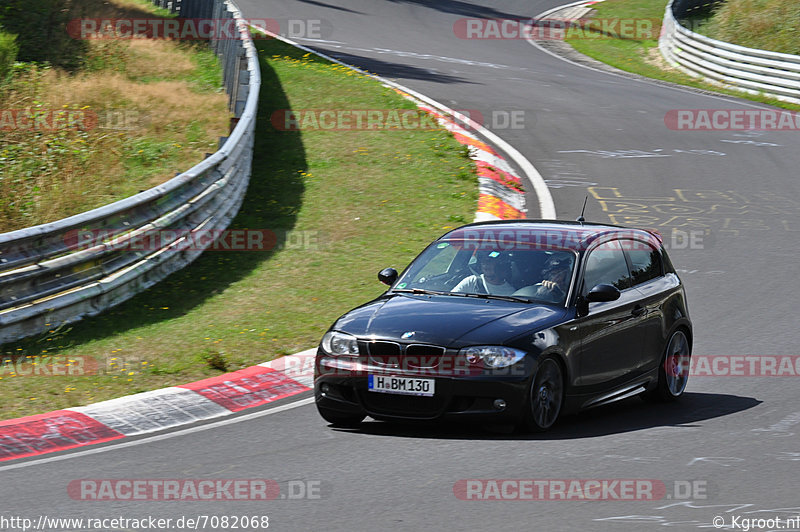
point(649, 279)
point(611, 338)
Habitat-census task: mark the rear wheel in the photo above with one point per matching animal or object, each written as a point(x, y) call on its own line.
point(673, 372)
point(545, 398)
point(337, 419)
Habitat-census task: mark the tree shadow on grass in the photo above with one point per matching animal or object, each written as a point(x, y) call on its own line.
point(50, 30)
point(272, 201)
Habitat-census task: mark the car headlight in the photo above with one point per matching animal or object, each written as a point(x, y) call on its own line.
point(338, 344)
point(492, 356)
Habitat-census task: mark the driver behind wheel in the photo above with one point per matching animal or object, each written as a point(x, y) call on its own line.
point(555, 279)
point(493, 279)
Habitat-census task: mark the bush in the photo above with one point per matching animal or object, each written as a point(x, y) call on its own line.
point(41, 29)
point(8, 53)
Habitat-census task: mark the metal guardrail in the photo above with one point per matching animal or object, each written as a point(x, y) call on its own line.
point(736, 67)
point(47, 278)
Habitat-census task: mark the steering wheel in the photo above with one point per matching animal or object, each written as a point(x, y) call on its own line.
point(538, 291)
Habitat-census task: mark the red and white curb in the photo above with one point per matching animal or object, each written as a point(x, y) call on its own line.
point(157, 410)
point(500, 197)
point(500, 193)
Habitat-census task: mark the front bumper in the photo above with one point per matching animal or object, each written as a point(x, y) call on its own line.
point(340, 386)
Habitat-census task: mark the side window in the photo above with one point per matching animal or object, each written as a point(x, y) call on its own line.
point(645, 262)
point(606, 265)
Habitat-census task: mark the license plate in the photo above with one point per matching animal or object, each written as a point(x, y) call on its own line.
point(400, 385)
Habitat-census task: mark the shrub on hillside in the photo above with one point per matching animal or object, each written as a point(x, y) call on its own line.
point(8, 53)
point(41, 29)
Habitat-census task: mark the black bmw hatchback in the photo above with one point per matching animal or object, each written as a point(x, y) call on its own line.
point(511, 322)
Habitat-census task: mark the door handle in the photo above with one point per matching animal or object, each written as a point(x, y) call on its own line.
point(638, 310)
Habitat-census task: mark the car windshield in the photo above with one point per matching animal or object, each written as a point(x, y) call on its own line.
point(493, 268)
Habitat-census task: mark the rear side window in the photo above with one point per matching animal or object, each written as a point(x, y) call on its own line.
point(606, 265)
point(645, 262)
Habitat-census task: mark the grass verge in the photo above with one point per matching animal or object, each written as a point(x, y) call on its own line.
point(350, 203)
point(764, 24)
point(134, 114)
point(641, 55)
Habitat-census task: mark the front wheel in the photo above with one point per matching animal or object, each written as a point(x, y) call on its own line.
point(673, 372)
point(545, 398)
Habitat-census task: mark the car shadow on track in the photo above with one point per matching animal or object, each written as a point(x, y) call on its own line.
point(625, 416)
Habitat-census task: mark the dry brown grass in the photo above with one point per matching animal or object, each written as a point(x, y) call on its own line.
point(169, 122)
point(153, 58)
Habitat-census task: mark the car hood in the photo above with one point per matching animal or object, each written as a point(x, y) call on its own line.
point(451, 321)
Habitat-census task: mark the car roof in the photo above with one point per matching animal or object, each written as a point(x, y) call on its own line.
point(583, 233)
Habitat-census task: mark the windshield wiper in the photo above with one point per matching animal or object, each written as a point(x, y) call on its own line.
point(498, 296)
point(420, 291)
point(460, 294)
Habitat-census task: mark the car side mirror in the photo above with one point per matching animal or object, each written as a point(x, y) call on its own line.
point(387, 276)
point(602, 292)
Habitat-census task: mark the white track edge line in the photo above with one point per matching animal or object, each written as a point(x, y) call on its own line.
point(644, 79)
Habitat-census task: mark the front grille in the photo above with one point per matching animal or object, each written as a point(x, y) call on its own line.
point(394, 355)
point(384, 353)
point(424, 356)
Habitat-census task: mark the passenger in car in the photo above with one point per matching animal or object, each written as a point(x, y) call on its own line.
point(493, 278)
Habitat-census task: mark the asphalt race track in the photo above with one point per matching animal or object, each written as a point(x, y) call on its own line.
point(726, 201)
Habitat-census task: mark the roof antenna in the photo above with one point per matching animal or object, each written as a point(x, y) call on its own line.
point(581, 219)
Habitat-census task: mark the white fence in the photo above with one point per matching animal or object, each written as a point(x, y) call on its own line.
point(47, 278)
point(736, 67)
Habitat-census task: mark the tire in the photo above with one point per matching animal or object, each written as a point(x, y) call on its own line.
point(673, 371)
point(545, 398)
point(339, 420)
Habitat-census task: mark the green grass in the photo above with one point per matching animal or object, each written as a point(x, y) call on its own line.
point(362, 200)
point(764, 24)
point(8, 53)
point(641, 55)
point(207, 75)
